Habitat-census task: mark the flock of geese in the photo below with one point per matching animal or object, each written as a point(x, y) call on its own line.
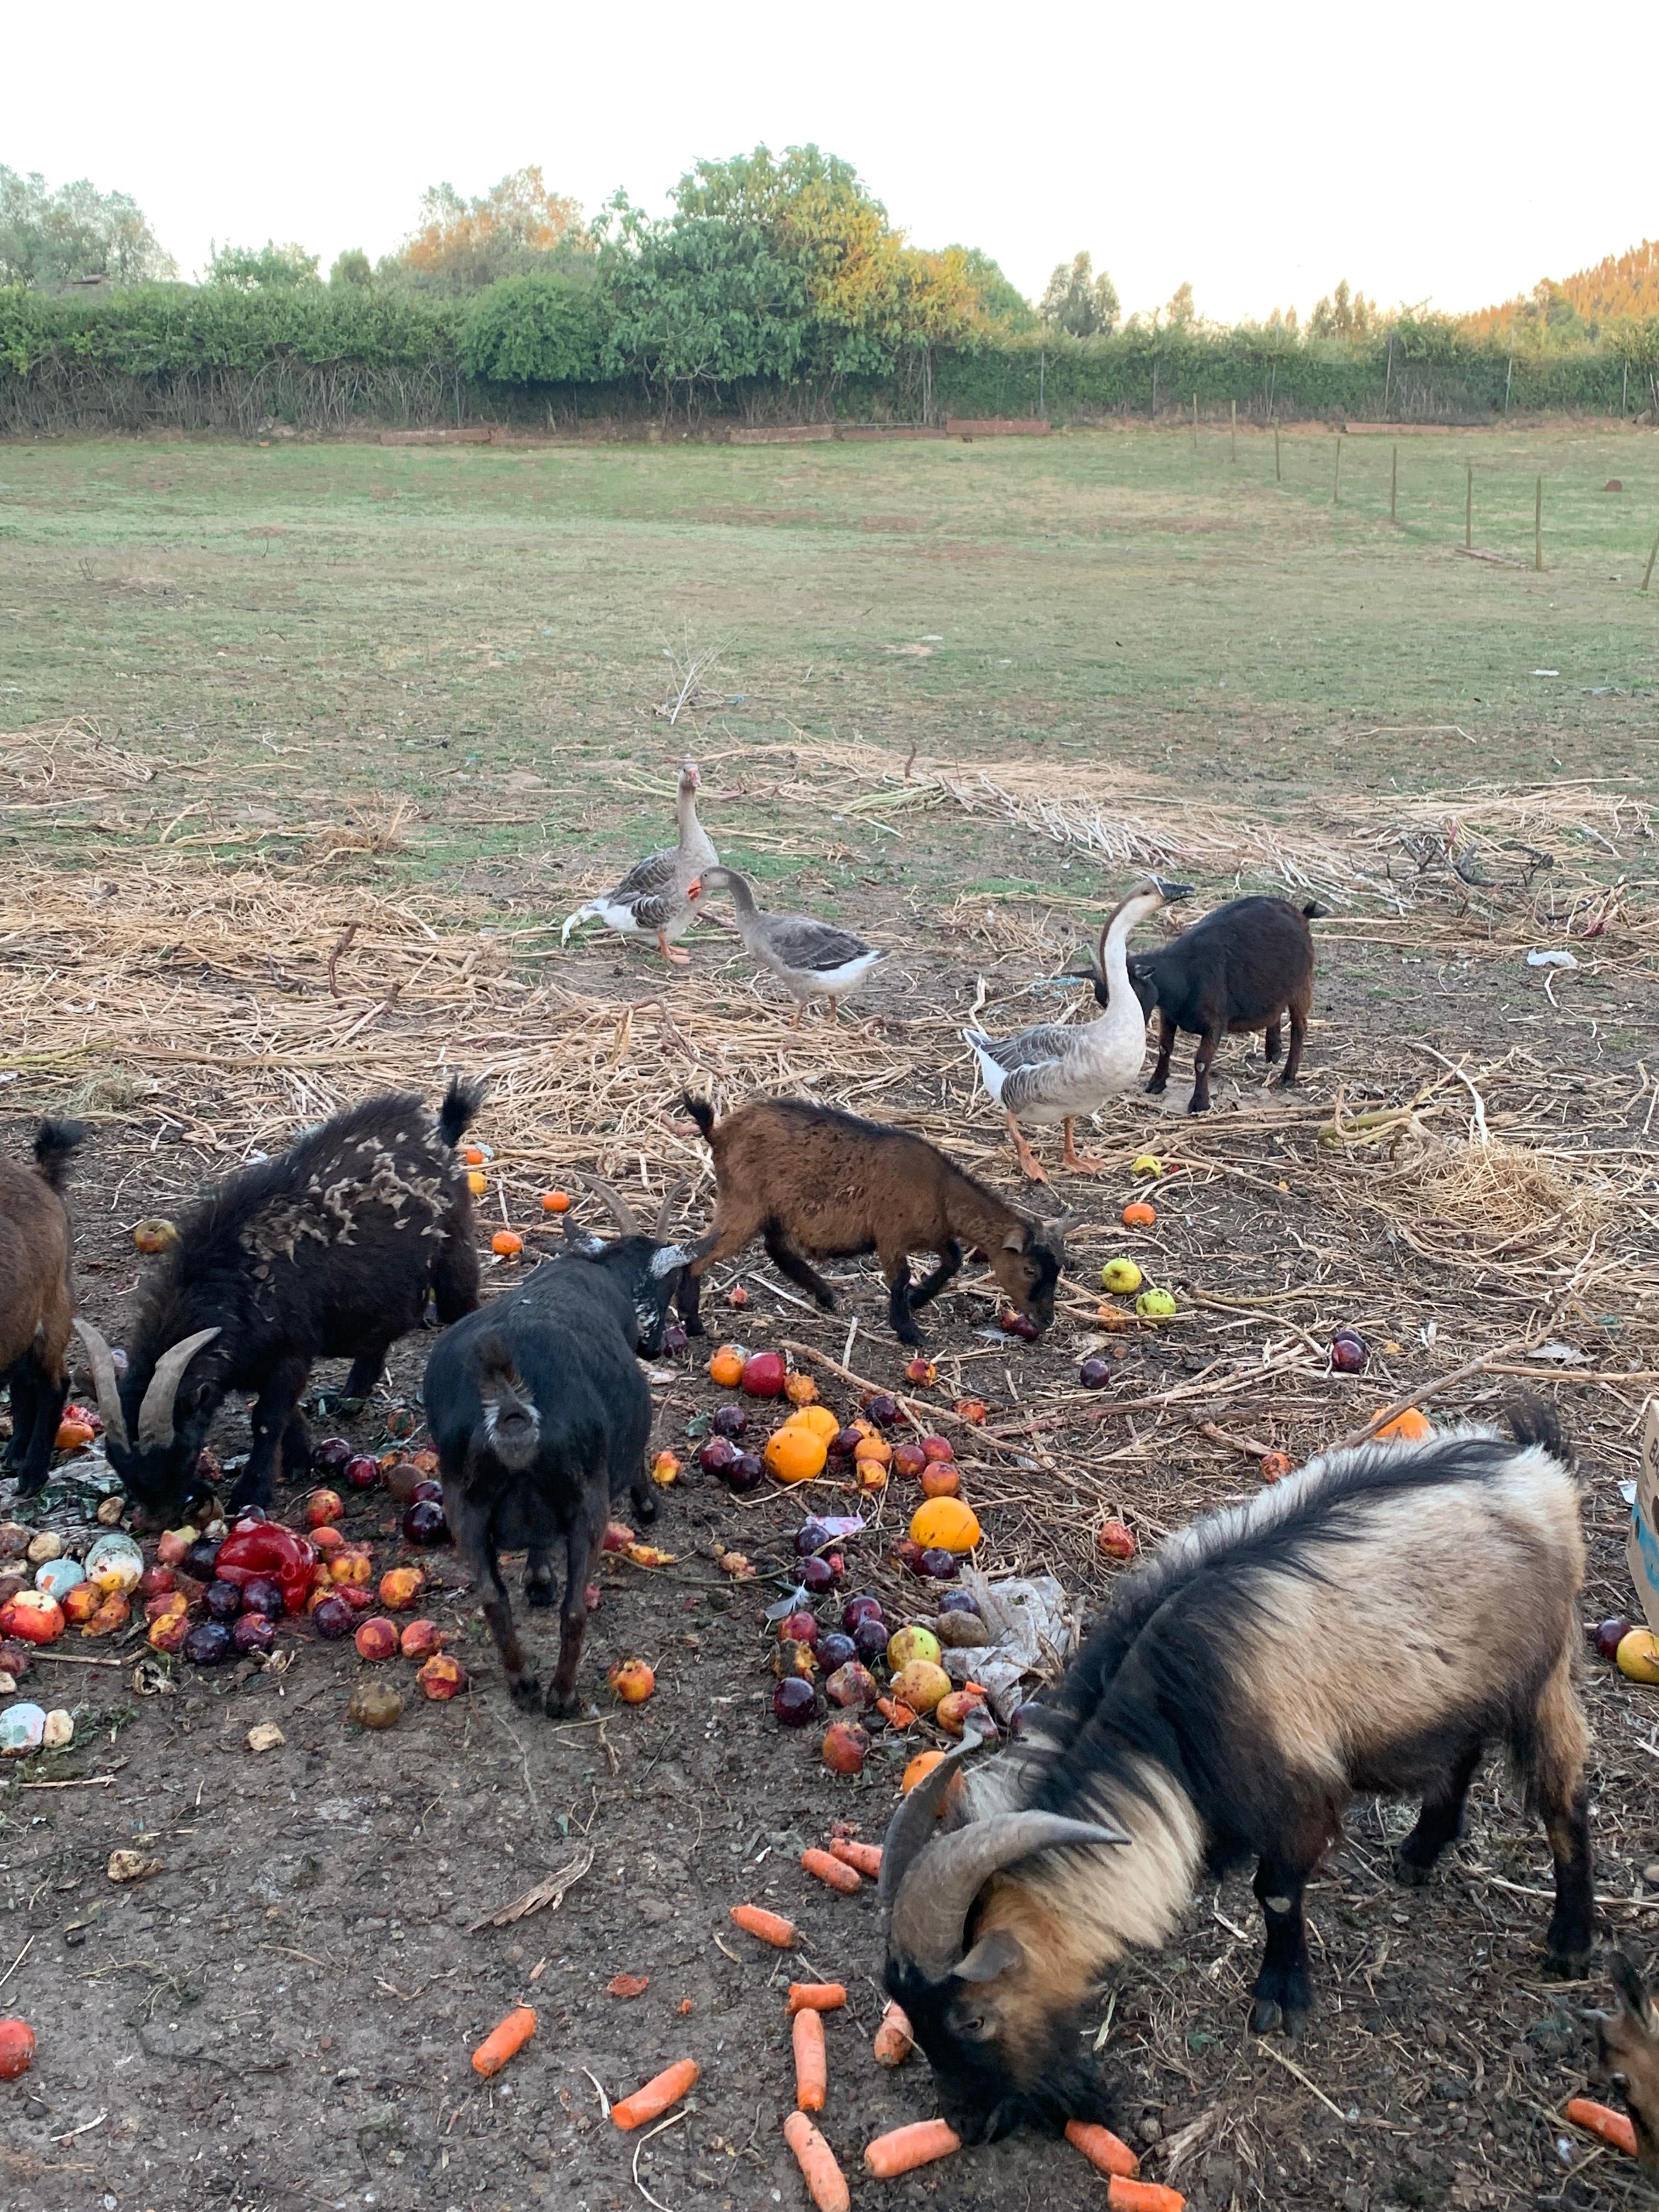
point(1056, 1072)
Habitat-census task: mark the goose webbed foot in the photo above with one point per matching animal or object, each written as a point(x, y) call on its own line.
point(1028, 1158)
point(1080, 1161)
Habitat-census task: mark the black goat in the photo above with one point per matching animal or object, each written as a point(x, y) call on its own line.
point(329, 1252)
point(37, 1299)
point(1243, 968)
point(1369, 1625)
point(808, 1179)
point(541, 1418)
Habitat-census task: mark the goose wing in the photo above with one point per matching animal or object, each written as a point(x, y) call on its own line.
point(807, 947)
point(1027, 1049)
point(647, 879)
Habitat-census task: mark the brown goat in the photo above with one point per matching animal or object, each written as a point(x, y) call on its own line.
point(1630, 2052)
point(808, 1179)
point(37, 1299)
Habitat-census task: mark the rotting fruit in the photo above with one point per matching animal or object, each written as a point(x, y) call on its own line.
point(846, 1746)
point(632, 1680)
point(1116, 1540)
point(1608, 1635)
point(794, 1701)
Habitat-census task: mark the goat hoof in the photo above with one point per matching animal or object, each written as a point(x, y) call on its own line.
point(562, 1704)
point(526, 1691)
point(645, 1505)
point(826, 1300)
point(1289, 1082)
point(1198, 1105)
point(1157, 1087)
point(1408, 1873)
point(1567, 1966)
point(1264, 2016)
point(538, 1594)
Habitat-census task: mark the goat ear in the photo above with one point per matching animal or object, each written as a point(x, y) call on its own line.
point(1017, 1240)
point(992, 1955)
point(667, 1259)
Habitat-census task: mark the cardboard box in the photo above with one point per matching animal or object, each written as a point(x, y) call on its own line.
point(1641, 1545)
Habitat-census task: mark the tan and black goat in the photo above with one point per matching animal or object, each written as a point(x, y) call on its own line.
point(1371, 1624)
point(37, 1299)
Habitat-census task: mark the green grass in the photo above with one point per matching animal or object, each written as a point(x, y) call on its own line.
point(355, 620)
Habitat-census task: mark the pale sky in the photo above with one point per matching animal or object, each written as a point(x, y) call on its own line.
point(1443, 153)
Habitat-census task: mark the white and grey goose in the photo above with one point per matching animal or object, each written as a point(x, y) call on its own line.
point(809, 958)
point(653, 897)
point(1059, 1070)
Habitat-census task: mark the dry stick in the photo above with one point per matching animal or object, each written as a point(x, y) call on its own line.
point(1277, 472)
point(1336, 488)
point(1647, 573)
point(907, 1406)
point(1235, 431)
point(1430, 1390)
point(1394, 481)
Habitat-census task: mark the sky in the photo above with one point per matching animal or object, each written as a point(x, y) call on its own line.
point(1431, 154)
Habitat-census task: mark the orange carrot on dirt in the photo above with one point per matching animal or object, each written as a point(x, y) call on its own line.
point(663, 2090)
point(499, 2045)
point(771, 1926)
point(816, 1996)
point(894, 2039)
point(1602, 2122)
point(1125, 2196)
point(865, 1857)
point(812, 2064)
point(1109, 2152)
point(835, 1872)
point(824, 2178)
point(895, 1712)
point(904, 2148)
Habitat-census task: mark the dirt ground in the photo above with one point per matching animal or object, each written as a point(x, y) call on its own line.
point(314, 750)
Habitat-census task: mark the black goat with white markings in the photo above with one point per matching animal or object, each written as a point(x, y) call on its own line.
point(541, 1418)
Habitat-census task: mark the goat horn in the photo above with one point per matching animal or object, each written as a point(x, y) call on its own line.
point(623, 1212)
point(671, 1199)
point(102, 1363)
point(912, 1825)
point(930, 1912)
point(156, 1414)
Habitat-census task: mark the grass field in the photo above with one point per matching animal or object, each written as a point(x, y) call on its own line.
point(305, 751)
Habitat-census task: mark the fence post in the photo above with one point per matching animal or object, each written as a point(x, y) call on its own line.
point(1468, 507)
point(1648, 576)
point(1043, 378)
point(1538, 528)
point(1394, 481)
point(1235, 431)
point(1336, 488)
point(1624, 397)
point(1195, 421)
point(1509, 379)
point(1278, 475)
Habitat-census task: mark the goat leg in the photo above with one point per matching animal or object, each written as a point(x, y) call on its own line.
point(469, 1520)
point(1439, 1822)
point(1203, 1061)
point(273, 1409)
point(1270, 1043)
point(898, 1304)
point(366, 1371)
point(36, 1408)
point(582, 1553)
point(1080, 1161)
point(296, 1447)
point(1166, 1044)
point(950, 1262)
point(1299, 1011)
point(789, 1262)
point(1282, 1990)
point(1028, 1158)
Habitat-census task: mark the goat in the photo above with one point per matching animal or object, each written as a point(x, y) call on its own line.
point(37, 1299)
point(808, 1179)
point(1629, 2045)
point(329, 1252)
point(1369, 1625)
point(1241, 968)
point(541, 1417)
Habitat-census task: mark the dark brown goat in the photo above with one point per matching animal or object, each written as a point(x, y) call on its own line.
point(1241, 968)
point(807, 1179)
point(37, 1299)
point(1629, 2043)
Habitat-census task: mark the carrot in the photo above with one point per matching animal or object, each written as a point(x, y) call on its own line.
point(663, 2090)
point(894, 2041)
point(771, 1926)
point(832, 1870)
point(1125, 2196)
point(894, 1710)
point(823, 2177)
point(903, 2148)
point(812, 2065)
point(499, 2045)
point(1109, 2152)
point(1601, 2121)
point(816, 1996)
point(865, 1857)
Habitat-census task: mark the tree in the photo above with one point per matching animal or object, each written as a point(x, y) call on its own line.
point(533, 330)
point(1181, 315)
point(781, 267)
point(74, 235)
point(467, 243)
point(267, 267)
point(1079, 302)
point(999, 302)
point(352, 267)
point(1342, 315)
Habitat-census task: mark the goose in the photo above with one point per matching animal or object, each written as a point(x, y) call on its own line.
point(653, 895)
point(1057, 1071)
point(806, 956)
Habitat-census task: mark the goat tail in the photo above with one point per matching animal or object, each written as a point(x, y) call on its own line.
point(462, 1103)
point(1314, 912)
point(512, 1423)
point(702, 1113)
point(1532, 1420)
point(54, 1142)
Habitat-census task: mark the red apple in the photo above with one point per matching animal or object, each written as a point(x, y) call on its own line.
point(846, 1746)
